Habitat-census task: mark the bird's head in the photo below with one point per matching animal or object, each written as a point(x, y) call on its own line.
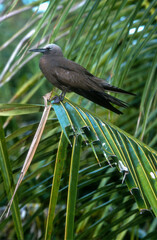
point(52, 49)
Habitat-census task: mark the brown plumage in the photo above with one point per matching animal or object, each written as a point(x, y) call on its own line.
point(69, 76)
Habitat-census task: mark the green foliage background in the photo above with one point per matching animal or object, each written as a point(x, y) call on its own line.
point(115, 40)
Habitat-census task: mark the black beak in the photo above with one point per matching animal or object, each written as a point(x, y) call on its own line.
point(41, 50)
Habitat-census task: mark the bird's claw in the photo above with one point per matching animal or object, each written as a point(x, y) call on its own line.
point(56, 99)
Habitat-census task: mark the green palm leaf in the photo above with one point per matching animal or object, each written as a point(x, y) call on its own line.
point(131, 156)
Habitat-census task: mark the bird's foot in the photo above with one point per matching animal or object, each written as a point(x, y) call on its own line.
point(57, 99)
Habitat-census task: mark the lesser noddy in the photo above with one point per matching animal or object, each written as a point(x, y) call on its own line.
point(69, 76)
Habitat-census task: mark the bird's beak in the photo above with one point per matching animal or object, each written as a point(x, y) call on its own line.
point(41, 50)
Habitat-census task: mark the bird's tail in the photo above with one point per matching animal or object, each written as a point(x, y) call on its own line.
point(103, 99)
point(108, 87)
point(111, 88)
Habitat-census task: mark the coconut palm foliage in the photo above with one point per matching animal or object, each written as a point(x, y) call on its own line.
point(94, 172)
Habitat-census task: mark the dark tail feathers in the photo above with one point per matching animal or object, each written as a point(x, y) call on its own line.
point(102, 99)
point(116, 89)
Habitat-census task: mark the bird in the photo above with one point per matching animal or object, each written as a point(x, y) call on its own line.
point(69, 76)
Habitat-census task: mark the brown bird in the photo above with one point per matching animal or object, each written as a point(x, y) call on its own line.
point(69, 76)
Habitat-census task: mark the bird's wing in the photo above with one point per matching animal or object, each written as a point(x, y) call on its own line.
point(92, 82)
point(74, 76)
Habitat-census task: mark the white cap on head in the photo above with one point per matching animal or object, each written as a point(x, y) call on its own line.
point(55, 49)
point(52, 49)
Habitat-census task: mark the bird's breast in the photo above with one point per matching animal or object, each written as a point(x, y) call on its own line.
point(47, 67)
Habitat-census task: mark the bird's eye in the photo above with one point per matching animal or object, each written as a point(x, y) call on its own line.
point(48, 48)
